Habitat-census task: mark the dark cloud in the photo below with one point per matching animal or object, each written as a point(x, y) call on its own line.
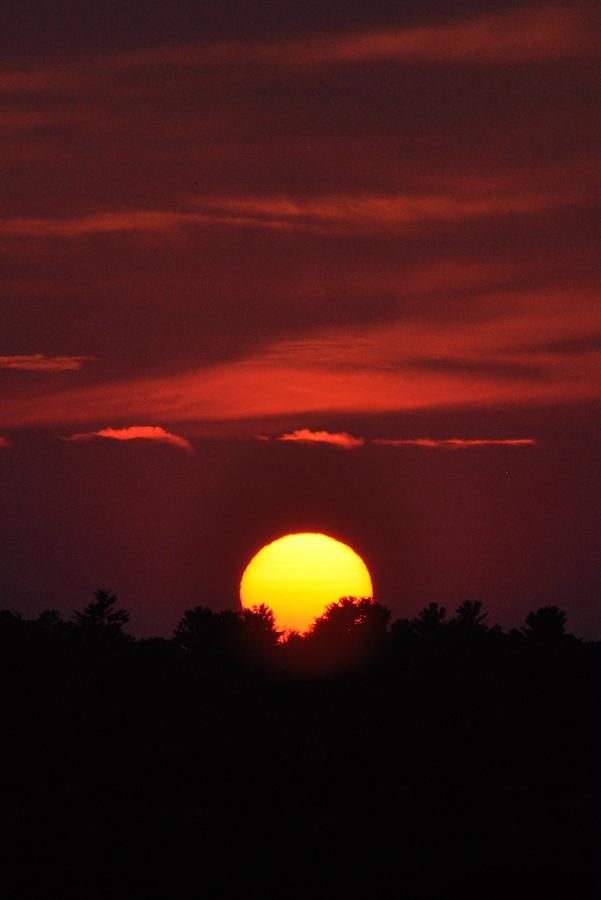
point(587, 344)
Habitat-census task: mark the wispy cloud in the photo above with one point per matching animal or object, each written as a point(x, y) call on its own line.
point(97, 223)
point(328, 214)
point(348, 441)
point(154, 221)
point(38, 362)
point(337, 438)
point(362, 369)
point(533, 33)
point(367, 211)
point(136, 432)
point(538, 32)
point(454, 443)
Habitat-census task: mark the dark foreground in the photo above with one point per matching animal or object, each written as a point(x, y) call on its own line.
point(432, 767)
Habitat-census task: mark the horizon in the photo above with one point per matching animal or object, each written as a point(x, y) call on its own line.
point(448, 616)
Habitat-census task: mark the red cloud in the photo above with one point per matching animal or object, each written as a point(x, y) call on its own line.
point(153, 221)
point(332, 214)
point(136, 432)
point(37, 362)
point(454, 443)
point(348, 441)
point(366, 212)
point(537, 33)
point(338, 439)
point(500, 357)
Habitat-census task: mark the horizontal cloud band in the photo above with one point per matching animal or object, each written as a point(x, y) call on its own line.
point(328, 214)
point(348, 441)
point(455, 443)
point(38, 362)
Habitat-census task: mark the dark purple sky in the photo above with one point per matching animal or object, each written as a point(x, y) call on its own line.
point(354, 225)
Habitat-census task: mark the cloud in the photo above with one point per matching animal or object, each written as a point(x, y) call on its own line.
point(136, 432)
point(454, 443)
point(539, 32)
point(359, 369)
point(153, 221)
point(97, 223)
point(535, 33)
point(38, 362)
point(363, 212)
point(338, 439)
point(348, 441)
point(4, 442)
point(330, 214)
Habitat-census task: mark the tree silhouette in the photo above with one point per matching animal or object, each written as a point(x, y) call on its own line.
point(50, 621)
point(101, 615)
point(430, 621)
point(233, 633)
point(545, 625)
point(469, 616)
point(347, 615)
point(198, 630)
point(259, 630)
point(13, 628)
point(349, 630)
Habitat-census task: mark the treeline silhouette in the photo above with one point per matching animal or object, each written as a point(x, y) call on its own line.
point(435, 756)
point(352, 632)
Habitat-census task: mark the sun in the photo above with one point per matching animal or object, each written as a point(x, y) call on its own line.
point(298, 575)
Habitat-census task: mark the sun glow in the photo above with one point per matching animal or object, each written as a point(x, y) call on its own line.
point(298, 575)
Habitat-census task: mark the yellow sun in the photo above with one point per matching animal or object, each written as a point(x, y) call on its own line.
point(298, 575)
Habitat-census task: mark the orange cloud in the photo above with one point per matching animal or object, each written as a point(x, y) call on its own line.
point(337, 439)
point(136, 432)
point(503, 353)
point(454, 443)
point(257, 388)
point(348, 441)
point(37, 362)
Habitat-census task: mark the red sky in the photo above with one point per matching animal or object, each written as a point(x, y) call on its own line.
point(362, 232)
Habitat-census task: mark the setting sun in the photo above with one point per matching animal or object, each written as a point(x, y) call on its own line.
point(298, 575)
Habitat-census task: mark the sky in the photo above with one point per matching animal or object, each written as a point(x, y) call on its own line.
point(272, 267)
